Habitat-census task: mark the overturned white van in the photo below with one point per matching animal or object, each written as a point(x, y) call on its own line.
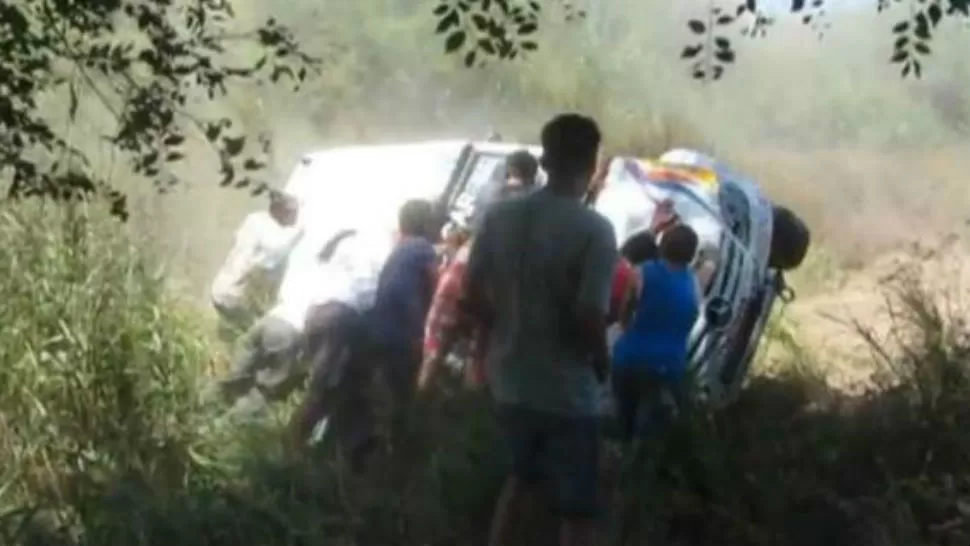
point(364, 186)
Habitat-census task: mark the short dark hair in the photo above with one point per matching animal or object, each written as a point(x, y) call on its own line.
point(415, 218)
point(679, 245)
point(640, 248)
point(522, 165)
point(570, 144)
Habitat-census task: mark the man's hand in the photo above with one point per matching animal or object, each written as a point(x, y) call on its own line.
point(664, 216)
point(428, 368)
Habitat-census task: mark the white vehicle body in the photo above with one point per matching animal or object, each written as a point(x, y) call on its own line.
point(364, 186)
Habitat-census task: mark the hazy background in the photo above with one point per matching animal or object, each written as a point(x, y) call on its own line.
point(828, 126)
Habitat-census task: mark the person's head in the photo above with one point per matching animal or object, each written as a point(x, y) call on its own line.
point(522, 168)
point(416, 219)
point(678, 245)
point(570, 148)
point(283, 207)
point(640, 248)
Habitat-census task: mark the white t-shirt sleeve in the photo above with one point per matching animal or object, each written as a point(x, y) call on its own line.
point(240, 261)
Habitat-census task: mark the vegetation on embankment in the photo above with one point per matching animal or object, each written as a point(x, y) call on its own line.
point(103, 442)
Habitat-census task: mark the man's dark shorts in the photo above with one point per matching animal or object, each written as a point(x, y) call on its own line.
point(560, 452)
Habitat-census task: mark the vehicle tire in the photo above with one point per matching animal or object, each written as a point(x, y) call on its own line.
point(790, 240)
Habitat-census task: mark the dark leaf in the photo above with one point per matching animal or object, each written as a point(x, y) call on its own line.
point(690, 52)
point(722, 43)
point(899, 56)
point(174, 156)
point(527, 29)
point(724, 55)
point(922, 30)
point(901, 42)
point(480, 22)
point(901, 27)
point(797, 5)
point(906, 69)
point(698, 74)
point(173, 140)
point(441, 9)
point(917, 69)
point(228, 174)
point(455, 41)
point(447, 22)
point(529, 46)
point(695, 26)
point(252, 165)
point(725, 20)
point(486, 45)
point(470, 58)
point(934, 13)
point(751, 5)
point(922, 48)
point(234, 146)
point(212, 131)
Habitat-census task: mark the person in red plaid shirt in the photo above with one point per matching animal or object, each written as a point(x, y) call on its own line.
point(445, 327)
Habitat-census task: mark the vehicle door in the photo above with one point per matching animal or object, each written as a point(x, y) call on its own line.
point(481, 173)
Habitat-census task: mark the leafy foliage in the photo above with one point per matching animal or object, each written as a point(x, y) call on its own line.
point(509, 27)
point(146, 61)
point(497, 29)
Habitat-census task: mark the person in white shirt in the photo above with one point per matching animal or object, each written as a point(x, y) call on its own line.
point(262, 243)
point(337, 343)
point(268, 365)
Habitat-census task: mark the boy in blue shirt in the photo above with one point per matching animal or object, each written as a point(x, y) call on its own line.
point(651, 354)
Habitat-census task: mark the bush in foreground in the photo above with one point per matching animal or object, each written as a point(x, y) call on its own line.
point(100, 369)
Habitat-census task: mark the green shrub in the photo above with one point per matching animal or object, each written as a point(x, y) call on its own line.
point(98, 363)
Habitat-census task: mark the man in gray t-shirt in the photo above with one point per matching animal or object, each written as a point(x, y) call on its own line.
point(539, 276)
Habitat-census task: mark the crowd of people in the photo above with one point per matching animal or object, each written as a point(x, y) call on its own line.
point(524, 292)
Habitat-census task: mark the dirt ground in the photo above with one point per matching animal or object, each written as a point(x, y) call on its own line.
point(825, 327)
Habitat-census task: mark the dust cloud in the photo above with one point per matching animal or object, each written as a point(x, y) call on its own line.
point(826, 125)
